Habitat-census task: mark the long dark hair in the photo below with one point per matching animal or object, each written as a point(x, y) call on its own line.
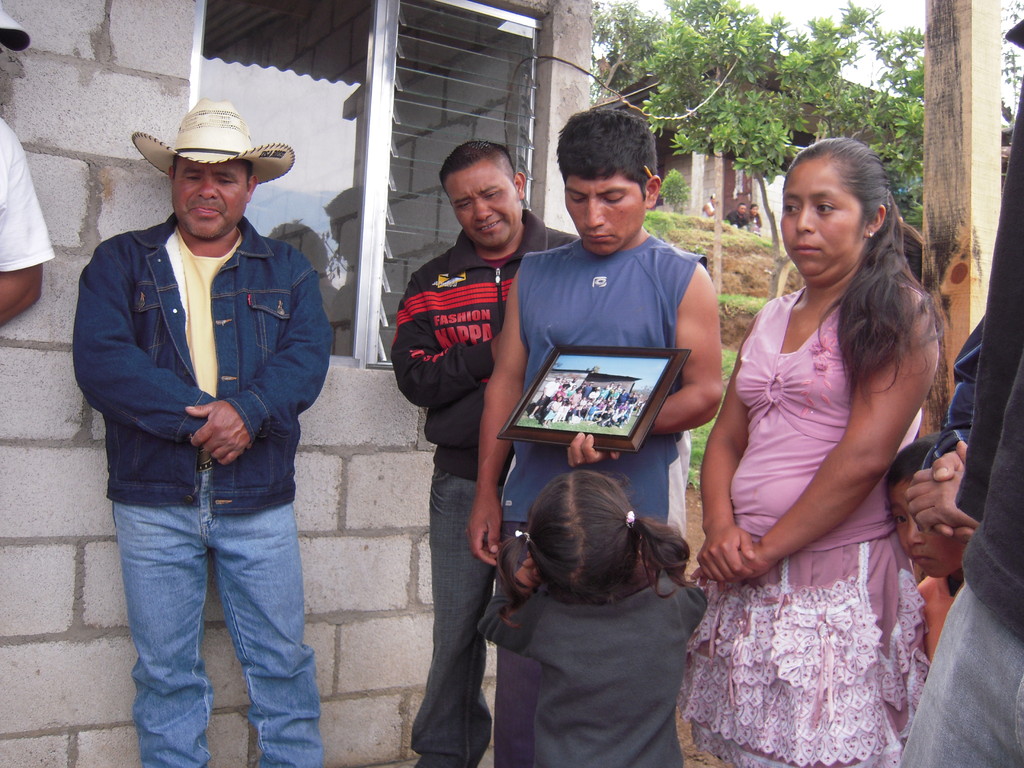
point(585, 547)
point(883, 303)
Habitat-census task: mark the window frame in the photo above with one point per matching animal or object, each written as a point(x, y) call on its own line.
point(382, 59)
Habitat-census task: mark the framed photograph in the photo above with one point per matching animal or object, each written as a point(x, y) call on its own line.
point(612, 393)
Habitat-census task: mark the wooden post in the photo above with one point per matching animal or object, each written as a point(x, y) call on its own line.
point(716, 248)
point(962, 179)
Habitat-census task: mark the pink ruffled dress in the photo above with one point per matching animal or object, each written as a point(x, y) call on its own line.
point(819, 662)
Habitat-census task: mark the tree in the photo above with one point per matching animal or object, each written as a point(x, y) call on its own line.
point(624, 38)
point(1013, 62)
point(674, 189)
point(733, 83)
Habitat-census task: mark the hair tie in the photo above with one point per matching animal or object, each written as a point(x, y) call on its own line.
point(630, 519)
point(526, 534)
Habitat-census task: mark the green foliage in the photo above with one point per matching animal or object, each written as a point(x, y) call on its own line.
point(699, 435)
point(660, 223)
point(624, 38)
point(697, 234)
point(1013, 61)
point(674, 189)
point(736, 84)
point(733, 303)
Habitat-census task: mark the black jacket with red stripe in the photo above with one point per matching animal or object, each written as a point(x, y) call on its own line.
point(453, 307)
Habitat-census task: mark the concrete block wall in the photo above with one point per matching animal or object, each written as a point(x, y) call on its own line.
point(98, 70)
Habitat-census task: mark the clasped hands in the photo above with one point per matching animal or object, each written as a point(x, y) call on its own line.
point(224, 434)
point(931, 497)
point(730, 554)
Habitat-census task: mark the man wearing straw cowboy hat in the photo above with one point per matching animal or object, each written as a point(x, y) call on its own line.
point(200, 342)
point(24, 243)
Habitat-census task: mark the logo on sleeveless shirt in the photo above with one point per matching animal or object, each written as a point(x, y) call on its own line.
point(599, 282)
point(446, 281)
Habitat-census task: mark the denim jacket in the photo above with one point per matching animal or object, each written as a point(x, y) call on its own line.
point(133, 364)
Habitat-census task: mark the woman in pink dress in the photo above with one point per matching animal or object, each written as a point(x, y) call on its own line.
point(810, 653)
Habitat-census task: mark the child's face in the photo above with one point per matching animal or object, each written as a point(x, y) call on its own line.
point(936, 555)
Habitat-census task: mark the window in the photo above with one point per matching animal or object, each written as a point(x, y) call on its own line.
point(373, 95)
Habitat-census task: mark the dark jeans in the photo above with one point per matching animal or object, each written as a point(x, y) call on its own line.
point(453, 726)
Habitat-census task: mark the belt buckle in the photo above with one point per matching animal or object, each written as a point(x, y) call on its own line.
point(204, 461)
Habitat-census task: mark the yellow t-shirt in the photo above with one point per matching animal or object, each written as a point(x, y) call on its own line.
point(199, 273)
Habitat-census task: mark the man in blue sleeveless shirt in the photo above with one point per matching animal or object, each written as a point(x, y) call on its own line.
point(616, 286)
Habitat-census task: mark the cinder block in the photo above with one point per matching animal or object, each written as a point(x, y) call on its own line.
point(355, 574)
point(108, 748)
point(144, 46)
point(50, 319)
point(317, 490)
point(54, 491)
point(96, 425)
point(38, 752)
point(228, 737)
point(385, 653)
point(63, 684)
point(78, 106)
point(132, 199)
point(320, 637)
point(103, 594)
point(37, 588)
point(361, 732)
point(424, 582)
point(62, 186)
point(360, 407)
point(389, 490)
point(42, 383)
point(60, 26)
point(223, 669)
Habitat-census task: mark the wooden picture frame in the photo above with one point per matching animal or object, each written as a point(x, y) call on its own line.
point(613, 393)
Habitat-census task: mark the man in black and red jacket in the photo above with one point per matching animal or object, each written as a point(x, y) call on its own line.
point(452, 310)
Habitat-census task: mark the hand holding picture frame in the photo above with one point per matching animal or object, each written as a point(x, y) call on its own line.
point(612, 393)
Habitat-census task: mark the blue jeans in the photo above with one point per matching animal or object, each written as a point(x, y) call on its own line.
point(165, 552)
point(972, 710)
point(453, 727)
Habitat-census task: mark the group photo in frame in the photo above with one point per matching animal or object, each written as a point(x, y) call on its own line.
point(612, 393)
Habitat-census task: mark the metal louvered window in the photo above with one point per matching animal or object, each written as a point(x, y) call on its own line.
point(462, 71)
point(373, 95)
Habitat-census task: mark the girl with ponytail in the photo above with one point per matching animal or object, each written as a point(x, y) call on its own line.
point(599, 597)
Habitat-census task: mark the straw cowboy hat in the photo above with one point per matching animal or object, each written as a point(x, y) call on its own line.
point(214, 132)
point(12, 34)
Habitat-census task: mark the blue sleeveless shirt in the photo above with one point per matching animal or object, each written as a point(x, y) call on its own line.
point(570, 296)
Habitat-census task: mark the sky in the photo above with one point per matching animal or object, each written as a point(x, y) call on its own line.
point(896, 14)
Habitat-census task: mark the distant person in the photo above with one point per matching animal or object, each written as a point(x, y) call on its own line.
point(710, 206)
point(754, 223)
point(600, 598)
point(939, 558)
point(739, 218)
point(24, 241)
point(443, 355)
point(811, 651)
